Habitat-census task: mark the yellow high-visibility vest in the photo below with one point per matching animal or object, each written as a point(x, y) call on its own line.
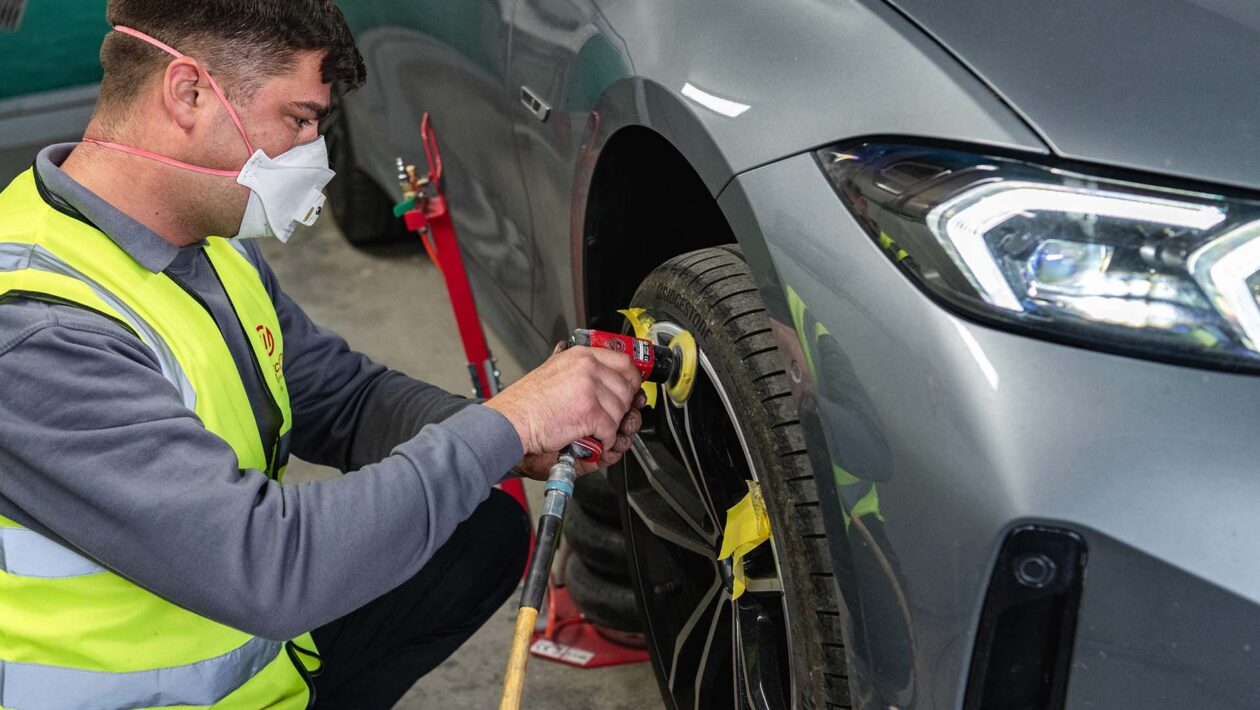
point(72, 633)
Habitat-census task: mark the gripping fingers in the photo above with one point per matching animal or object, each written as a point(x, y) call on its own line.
point(631, 423)
point(607, 419)
point(612, 456)
point(607, 367)
point(613, 382)
point(622, 444)
point(623, 390)
point(619, 363)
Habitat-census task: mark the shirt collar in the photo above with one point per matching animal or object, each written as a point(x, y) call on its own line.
point(144, 245)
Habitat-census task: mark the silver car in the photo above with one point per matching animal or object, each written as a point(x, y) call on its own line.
point(975, 285)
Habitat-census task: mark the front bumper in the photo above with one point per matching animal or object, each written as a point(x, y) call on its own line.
point(967, 432)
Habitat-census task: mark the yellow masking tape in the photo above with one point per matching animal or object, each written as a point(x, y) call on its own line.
point(642, 324)
point(747, 526)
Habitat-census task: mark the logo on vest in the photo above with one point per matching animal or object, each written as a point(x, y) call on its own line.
point(269, 340)
point(269, 344)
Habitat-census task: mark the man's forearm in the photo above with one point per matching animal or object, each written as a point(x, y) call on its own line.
point(396, 408)
point(348, 411)
point(319, 550)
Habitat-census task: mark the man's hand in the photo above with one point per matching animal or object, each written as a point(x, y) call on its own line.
point(537, 466)
point(577, 392)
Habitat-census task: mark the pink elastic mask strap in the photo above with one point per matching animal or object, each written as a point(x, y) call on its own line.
point(162, 158)
point(213, 85)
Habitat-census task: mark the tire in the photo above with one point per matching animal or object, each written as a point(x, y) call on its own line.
point(603, 601)
point(778, 643)
point(360, 207)
point(601, 546)
point(596, 495)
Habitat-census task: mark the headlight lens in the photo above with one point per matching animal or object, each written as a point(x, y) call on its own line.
point(1100, 262)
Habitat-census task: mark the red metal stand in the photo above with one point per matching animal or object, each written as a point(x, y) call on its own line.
point(568, 638)
point(573, 641)
point(424, 212)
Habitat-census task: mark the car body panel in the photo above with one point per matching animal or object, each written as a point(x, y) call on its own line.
point(970, 431)
point(1166, 87)
point(940, 408)
point(1156, 635)
point(449, 59)
point(803, 69)
point(561, 53)
point(814, 89)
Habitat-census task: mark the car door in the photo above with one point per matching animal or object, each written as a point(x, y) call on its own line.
point(449, 58)
point(563, 57)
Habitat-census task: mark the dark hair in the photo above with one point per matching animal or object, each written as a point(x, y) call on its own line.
point(241, 42)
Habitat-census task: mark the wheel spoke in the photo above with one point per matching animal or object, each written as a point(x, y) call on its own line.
point(757, 657)
point(739, 665)
point(698, 615)
point(691, 462)
point(718, 515)
point(663, 522)
point(711, 664)
point(679, 495)
point(763, 585)
point(686, 446)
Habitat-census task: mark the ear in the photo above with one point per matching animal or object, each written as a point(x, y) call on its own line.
point(184, 92)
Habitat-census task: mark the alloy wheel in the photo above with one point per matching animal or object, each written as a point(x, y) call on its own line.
point(690, 464)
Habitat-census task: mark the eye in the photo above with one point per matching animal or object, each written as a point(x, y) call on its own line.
point(304, 122)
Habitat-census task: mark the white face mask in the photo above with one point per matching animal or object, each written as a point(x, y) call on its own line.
point(284, 191)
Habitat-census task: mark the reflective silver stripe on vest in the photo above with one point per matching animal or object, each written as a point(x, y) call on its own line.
point(26, 553)
point(30, 686)
point(239, 246)
point(16, 256)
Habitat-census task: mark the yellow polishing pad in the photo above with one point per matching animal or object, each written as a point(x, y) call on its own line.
point(684, 346)
point(747, 526)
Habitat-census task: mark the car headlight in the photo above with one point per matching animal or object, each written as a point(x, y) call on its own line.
point(1096, 261)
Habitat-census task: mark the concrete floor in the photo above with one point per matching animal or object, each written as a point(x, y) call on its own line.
point(391, 304)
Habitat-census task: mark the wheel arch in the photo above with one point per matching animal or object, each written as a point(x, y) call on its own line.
point(647, 205)
point(647, 190)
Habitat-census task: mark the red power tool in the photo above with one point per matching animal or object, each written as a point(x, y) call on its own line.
point(656, 363)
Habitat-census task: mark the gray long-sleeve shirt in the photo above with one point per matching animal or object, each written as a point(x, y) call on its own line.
point(98, 452)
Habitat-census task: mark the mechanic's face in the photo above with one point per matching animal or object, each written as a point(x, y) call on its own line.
point(283, 113)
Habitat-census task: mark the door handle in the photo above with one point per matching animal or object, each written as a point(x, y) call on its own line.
point(536, 106)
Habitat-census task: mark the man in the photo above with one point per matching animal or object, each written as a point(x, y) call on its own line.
point(156, 380)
